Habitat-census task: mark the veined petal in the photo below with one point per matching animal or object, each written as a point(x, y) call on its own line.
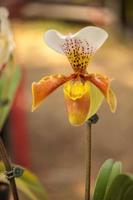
point(103, 83)
point(100, 81)
point(111, 99)
point(82, 100)
point(94, 36)
point(96, 99)
point(42, 88)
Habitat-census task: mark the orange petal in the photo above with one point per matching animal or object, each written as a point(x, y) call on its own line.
point(77, 101)
point(42, 88)
point(103, 83)
point(100, 81)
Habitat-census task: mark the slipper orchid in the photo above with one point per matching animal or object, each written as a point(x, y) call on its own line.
point(6, 38)
point(83, 92)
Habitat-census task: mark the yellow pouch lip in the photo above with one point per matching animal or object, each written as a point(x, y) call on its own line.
point(75, 89)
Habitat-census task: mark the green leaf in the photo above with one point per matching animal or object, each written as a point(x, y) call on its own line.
point(116, 170)
point(9, 82)
point(24, 189)
point(129, 194)
point(119, 187)
point(107, 174)
point(32, 182)
point(102, 180)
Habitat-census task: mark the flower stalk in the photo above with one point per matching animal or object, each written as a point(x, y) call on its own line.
point(92, 120)
point(88, 163)
point(8, 166)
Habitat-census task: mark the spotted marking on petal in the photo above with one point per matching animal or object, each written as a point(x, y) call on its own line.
point(78, 52)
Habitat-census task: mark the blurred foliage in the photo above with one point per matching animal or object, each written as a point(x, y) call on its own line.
point(43, 26)
point(64, 1)
point(129, 8)
point(28, 184)
point(9, 81)
point(112, 184)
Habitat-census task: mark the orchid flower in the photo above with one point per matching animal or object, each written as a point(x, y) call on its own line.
point(83, 92)
point(6, 38)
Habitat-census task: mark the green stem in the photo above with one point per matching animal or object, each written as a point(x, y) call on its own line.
point(8, 167)
point(88, 164)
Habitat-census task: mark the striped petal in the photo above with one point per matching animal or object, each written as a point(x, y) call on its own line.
point(111, 99)
point(42, 88)
point(96, 99)
point(82, 101)
point(103, 83)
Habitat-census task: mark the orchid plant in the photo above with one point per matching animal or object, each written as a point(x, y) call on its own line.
point(84, 92)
